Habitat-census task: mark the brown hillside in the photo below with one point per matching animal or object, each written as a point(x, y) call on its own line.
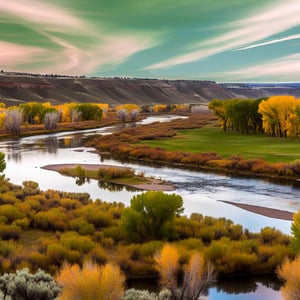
point(24, 88)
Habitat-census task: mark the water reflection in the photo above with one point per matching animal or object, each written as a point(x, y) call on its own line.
point(51, 144)
point(247, 285)
point(114, 187)
point(258, 288)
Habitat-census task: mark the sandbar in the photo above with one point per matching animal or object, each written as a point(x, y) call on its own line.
point(152, 184)
point(264, 211)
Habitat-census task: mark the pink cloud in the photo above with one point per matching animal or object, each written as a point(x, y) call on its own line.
point(13, 54)
point(42, 13)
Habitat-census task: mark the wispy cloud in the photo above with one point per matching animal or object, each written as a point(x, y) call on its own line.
point(68, 55)
point(43, 14)
point(276, 19)
point(106, 51)
point(287, 68)
point(13, 54)
point(288, 38)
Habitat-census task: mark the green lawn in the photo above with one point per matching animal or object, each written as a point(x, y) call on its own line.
point(211, 139)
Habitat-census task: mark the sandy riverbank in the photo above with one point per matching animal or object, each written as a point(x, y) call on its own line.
point(152, 184)
point(264, 211)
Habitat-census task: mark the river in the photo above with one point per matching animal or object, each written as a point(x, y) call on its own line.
point(201, 192)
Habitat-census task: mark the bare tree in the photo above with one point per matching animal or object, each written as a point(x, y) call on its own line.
point(75, 115)
point(122, 114)
point(51, 120)
point(133, 114)
point(197, 277)
point(200, 109)
point(13, 120)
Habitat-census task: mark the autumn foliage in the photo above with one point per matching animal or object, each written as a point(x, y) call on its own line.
point(277, 116)
point(167, 265)
point(198, 275)
point(289, 271)
point(91, 282)
point(124, 145)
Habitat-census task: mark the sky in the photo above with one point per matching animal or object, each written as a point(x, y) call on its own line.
point(219, 40)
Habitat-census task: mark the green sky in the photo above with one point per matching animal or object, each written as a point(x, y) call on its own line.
point(224, 40)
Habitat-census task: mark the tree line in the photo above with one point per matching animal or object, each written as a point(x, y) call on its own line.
point(277, 116)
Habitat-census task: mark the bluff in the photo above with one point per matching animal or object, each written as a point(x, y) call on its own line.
point(15, 89)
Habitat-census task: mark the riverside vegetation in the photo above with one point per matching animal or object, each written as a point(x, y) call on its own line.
point(69, 233)
point(59, 232)
point(203, 146)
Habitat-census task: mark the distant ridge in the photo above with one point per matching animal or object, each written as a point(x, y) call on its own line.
point(16, 88)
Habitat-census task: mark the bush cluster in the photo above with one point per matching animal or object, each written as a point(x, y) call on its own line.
point(44, 229)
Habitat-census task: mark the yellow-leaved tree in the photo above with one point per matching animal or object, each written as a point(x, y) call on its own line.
point(198, 274)
point(167, 265)
point(91, 282)
point(290, 273)
point(127, 111)
point(277, 115)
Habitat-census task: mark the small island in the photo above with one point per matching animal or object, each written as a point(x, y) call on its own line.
point(112, 174)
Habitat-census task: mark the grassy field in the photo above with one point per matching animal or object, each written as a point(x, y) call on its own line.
point(212, 139)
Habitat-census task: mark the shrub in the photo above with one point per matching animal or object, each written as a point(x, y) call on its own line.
point(38, 260)
point(10, 212)
point(30, 187)
point(269, 235)
point(98, 255)
point(150, 248)
point(8, 232)
point(24, 285)
point(57, 253)
point(7, 248)
point(91, 282)
point(115, 173)
point(82, 226)
point(8, 198)
point(73, 241)
point(22, 223)
point(53, 219)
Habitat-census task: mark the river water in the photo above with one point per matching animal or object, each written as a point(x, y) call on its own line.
point(201, 192)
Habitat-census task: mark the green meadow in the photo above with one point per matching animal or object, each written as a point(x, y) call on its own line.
point(213, 139)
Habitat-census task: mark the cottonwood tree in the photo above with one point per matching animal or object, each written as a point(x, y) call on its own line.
point(34, 112)
point(151, 215)
point(89, 111)
point(240, 115)
point(127, 110)
point(26, 286)
point(276, 112)
point(218, 107)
